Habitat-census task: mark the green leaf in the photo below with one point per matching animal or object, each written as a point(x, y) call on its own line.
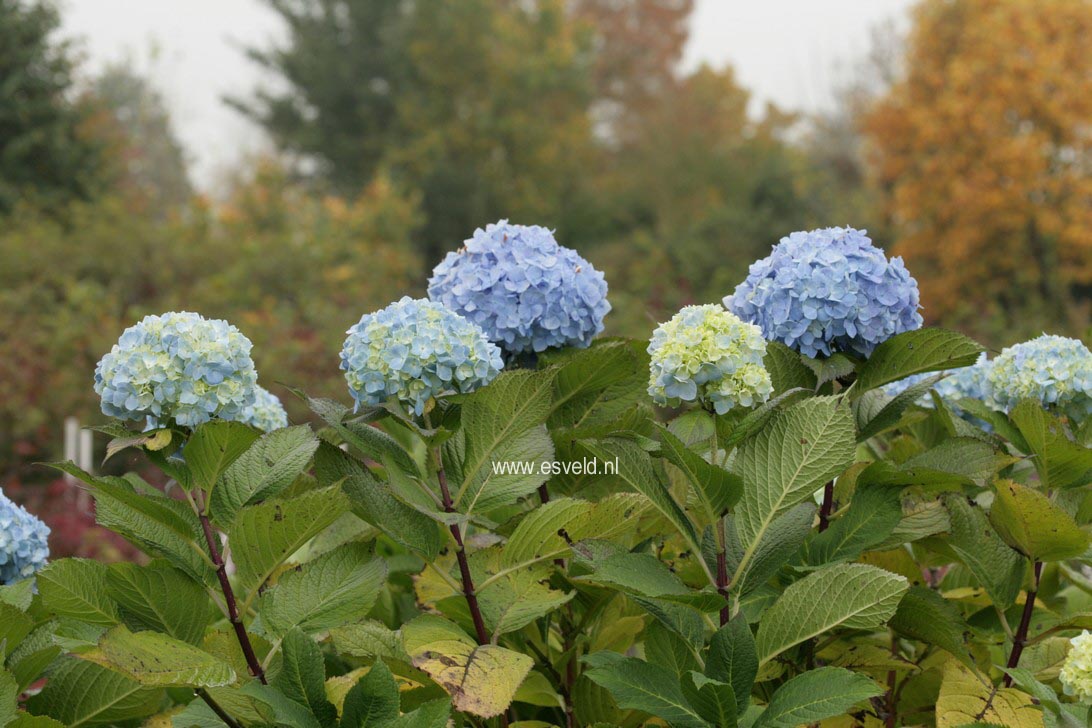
point(1055, 713)
point(264, 535)
point(718, 489)
point(828, 369)
point(915, 352)
point(926, 616)
point(1060, 462)
point(638, 685)
point(433, 714)
point(268, 467)
point(733, 659)
point(1033, 525)
point(9, 697)
point(336, 588)
point(645, 575)
point(302, 676)
point(157, 525)
point(14, 626)
point(19, 595)
point(877, 412)
point(153, 440)
point(515, 598)
point(802, 448)
point(996, 566)
point(30, 657)
point(714, 701)
point(503, 422)
point(817, 694)
point(160, 597)
point(635, 469)
point(871, 517)
point(664, 647)
point(77, 588)
point(787, 370)
point(373, 701)
point(372, 442)
point(213, 447)
point(782, 541)
point(26, 720)
point(374, 502)
point(369, 639)
point(756, 419)
point(851, 596)
point(80, 693)
point(593, 385)
point(156, 660)
point(480, 679)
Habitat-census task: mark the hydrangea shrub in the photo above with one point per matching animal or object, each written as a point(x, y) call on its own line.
point(625, 533)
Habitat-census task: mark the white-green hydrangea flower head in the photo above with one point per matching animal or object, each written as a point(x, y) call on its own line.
point(267, 413)
point(1076, 673)
point(1053, 370)
point(178, 368)
point(414, 351)
point(708, 355)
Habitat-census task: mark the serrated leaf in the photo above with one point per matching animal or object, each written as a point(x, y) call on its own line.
point(154, 440)
point(996, 566)
point(915, 352)
point(77, 588)
point(801, 448)
point(369, 639)
point(480, 679)
point(756, 419)
point(373, 501)
point(1030, 523)
point(733, 659)
point(301, 676)
point(713, 700)
point(787, 369)
point(871, 517)
point(336, 588)
point(830, 368)
point(80, 693)
point(877, 412)
point(156, 660)
point(14, 626)
point(372, 442)
point(816, 694)
point(268, 467)
point(514, 598)
point(9, 697)
point(717, 488)
point(644, 575)
point(33, 654)
point(592, 385)
point(213, 447)
point(783, 539)
point(433, 714)
point(667, 649)
point(1060, 462)
point(925, 615)
point(851, 596)
point(373, 701)
point(160, 597)
point(964, 698)
point(638, 685)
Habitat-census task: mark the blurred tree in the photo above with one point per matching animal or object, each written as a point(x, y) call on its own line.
point(984, 151)
point(45, 152)
point(150, 166)
point(479, 105)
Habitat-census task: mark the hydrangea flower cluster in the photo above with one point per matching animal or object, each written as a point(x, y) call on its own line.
point(708, 354)
point(1076, 673)
point(177, 367)
point(964, 383)
point(828, 290)
point(267, 413)
point(523, 289)
point(1054, 370)
point(415, 350)
point(24, 545)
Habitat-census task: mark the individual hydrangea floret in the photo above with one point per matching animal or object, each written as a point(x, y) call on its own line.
point(1076, 673)
point(525, 291)
point(964, 383)
point(1053, 370)
point(826, 291)
point(177, 367)
point(413, 351)
point(267, 413)
point(707, 354)
point(24, 546)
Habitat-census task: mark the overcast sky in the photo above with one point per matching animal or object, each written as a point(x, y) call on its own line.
point(791, 52)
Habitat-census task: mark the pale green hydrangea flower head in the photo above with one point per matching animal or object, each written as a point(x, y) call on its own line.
point(1053, 370)
point(708, 355)
point(1076, 674)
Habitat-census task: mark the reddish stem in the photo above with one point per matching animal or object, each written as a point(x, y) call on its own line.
point(1021, 637)
point(828, 506)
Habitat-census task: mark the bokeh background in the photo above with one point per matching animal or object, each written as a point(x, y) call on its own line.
point(292, 164)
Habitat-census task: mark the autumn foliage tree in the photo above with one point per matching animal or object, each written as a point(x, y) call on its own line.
point(983, 148)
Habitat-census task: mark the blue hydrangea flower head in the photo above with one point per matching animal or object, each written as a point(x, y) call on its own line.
point(1053, 370)
point(415, 350)
point(177, 367)
point(267, 413)
point(707, 354)
point(523, 289)
point(24, 546)
point(964, 383)
point(827, 291)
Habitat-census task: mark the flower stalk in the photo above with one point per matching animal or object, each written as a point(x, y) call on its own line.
point(1020, 639)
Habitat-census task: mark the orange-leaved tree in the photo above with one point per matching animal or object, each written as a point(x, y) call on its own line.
point(984, 150)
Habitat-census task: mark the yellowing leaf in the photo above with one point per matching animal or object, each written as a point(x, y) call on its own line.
point(964, 698)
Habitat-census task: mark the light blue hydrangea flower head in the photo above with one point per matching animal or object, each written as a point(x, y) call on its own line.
point(1053, 370)
point(180, 368)
point(267, 413)
point(964, 383)
point(24, 546)
point(523, 289)
point(416, 350)
point(707, 354)
point(1076, 672)
point(826, 291)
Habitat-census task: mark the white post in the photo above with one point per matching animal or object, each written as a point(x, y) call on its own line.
point(86, 462)
point(71, 444)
